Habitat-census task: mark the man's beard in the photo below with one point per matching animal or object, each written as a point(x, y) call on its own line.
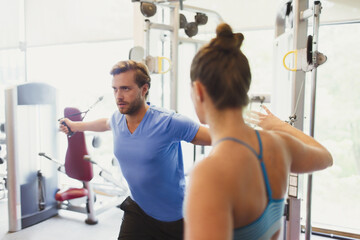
point(133, 107)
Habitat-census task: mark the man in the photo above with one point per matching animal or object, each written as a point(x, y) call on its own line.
point(147, 146)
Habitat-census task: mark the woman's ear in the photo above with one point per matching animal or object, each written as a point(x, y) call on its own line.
point(199, 91)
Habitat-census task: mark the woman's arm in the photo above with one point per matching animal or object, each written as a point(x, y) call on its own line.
point(307, 154)
point(270, 122)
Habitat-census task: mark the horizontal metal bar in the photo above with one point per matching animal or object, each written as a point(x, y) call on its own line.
point(161, 26)
point(191, 9)
point(306, 14)
point(331, 233)
point(331, 23)
point(202, 10)
point(191, 40)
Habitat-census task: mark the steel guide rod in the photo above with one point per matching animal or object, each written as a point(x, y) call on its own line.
point(316, 21)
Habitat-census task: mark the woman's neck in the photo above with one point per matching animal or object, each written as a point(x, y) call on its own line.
point(225, 123)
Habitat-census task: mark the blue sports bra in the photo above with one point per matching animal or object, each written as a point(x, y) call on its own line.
point(270, 220)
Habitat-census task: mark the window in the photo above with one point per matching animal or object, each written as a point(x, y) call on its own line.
point(81, 74)
point(336, 194)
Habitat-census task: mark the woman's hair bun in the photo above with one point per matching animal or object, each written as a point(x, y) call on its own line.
point(226, 39)
point(224, 30)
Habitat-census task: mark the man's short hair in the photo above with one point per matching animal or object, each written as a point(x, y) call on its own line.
point(142, 75)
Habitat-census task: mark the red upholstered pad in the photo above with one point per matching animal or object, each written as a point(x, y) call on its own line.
point(75, 165)
point(71, 193)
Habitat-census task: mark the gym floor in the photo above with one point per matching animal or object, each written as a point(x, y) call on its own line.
point(70, 226)
point(67, 225)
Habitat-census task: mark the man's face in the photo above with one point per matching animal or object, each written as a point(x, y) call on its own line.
point(128, 96)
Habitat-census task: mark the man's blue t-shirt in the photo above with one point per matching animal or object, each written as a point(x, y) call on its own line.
point(151, 160)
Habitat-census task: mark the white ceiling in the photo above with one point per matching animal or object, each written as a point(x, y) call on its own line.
point(69, 21)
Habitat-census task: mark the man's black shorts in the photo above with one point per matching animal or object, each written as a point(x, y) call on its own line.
point(137, 224)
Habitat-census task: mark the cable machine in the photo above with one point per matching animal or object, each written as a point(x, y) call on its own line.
point(293, 48)
point(180, 29)
point(291, 38)
point(177, 22)
point(32, 183)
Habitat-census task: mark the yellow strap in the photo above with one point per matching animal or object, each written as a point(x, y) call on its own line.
point(291, 69)
point(160, 65)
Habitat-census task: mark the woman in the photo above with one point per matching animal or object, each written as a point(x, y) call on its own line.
point(238, 191)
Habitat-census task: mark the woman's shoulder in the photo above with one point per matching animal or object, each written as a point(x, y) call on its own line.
point(211, 179)
point(219, 168)
point(274, 140)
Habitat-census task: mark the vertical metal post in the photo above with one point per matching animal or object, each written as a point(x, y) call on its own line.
point(308, 229)
point(162, 54)
point(175, 22)
point(296, 39)
point(300, 27)
point(91, 215)
point(316, 22)
point(298, 77)
point(14, 199)
point(23, 35)
point(147, 37)
point(138, 20)
point(293, 226)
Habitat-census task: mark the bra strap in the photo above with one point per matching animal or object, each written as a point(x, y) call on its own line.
point(238, 141)
point(258, 155)
point(263, 168)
